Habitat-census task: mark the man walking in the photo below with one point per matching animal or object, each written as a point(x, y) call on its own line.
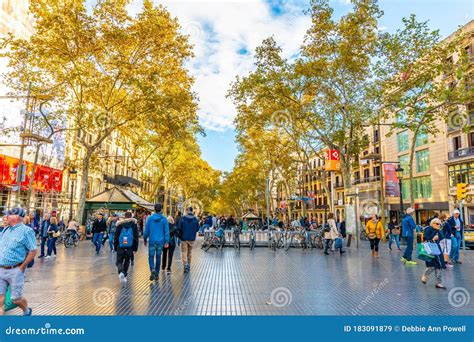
point(408, 231)
point(98, 228)
point(188, 228)
point(125, 244)
point(158, 231)
point(44, 227)
point(456, 228)
point(17, 250)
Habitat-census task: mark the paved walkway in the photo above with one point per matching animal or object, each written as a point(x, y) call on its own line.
point(258, 282)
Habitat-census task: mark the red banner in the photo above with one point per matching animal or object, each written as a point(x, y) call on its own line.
point(392, 188)
point(45, 178)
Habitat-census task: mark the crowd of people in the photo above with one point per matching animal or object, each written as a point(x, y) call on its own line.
point(20, 234)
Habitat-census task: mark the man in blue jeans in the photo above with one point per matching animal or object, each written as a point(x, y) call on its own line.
point(456, 227)
point(98, 228)
point(408, 231)
point(43, 232)
point(158, 232)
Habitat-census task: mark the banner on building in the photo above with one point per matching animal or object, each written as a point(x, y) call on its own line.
point(391, 180)
point(44, 179)
point(333, 162)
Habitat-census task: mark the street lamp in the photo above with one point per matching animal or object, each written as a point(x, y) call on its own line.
point(72, 178)
point(399, 170)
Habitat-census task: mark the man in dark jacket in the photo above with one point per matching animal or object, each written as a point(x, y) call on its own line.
point(98, 228)
point(126, 230)
point(158, 232)
point(408, 231)
point(187, 230)
point(455, 227)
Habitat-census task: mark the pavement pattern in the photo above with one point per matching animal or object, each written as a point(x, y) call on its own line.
point(258, 282)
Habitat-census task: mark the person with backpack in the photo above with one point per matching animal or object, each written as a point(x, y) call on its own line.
point(158, 232)
point(187, 230)
point(125, 244)
point(375, 233)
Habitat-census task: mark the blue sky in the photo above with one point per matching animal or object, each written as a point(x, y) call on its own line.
point(225, 34)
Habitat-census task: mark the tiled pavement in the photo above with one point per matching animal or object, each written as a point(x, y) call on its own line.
point(258, 282)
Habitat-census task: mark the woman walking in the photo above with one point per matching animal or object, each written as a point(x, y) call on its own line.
point(167, 256)
point(331, 235)
point(434, 235)
point(375, 232)
point(394, 233)
point(52, 236)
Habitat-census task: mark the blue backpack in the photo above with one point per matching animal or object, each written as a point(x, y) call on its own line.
point(126, 238)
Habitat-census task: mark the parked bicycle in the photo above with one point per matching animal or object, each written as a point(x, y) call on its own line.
point(218, 240)
point(252, 238)
point(71, 238)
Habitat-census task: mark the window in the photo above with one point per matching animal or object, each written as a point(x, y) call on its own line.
point(422, 187)
point(357, 176)
point(376, 136)
point(422, 160)
point(471, 139)
point(457, 143)
point(377, 150)
point(421, 138)
point(404, 163)
point(402, 141)
point(366, 175)
point(377, 171)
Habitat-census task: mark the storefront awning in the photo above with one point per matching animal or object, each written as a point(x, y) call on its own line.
point(118, 198)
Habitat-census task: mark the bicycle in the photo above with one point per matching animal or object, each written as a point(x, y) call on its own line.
point(288, 239)
point(272, 242)
point(236, 237)
point(218, 240)
point(316, 239)
point(363, 235)
point(71, 239)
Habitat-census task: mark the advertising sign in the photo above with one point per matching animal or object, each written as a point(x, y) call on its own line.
point(392, 188)
point(333, 162)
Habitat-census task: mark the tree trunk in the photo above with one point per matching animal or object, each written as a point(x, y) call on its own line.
point(32, 176)
point(84, 187)
point(410, 164)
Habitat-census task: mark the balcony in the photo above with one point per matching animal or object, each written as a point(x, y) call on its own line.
point(366, 180)
point(461, 153)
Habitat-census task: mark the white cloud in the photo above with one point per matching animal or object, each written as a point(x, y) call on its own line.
point(219, 30)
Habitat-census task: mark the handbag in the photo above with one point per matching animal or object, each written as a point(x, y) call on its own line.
point(338, 243)
point(56, 234)
point(422, 254)
point(432, 248)
point(396, 231)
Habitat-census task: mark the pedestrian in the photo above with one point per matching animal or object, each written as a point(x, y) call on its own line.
point(394, 230)
point(125, 241)
point(44, 227)
point(167, 257)
point(375, 232)
point(53, 233)
point(158, 232)
point(111, 229)
point(433, 234)
point(331, 234)
point(33, 221)
point(408, 231)
point(177, 220)
point(17, 250)
point(98, 228)
point(187, 230)
point(456, 228)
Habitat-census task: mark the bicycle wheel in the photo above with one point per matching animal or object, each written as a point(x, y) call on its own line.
point(288, 242)
point(252, 243)
point(209, 245)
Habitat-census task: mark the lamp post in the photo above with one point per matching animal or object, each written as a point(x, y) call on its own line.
point(399, 170)
point(72, 178)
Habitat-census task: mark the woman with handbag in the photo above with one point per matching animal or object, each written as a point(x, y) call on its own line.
point(375, 232)
point(53, 234)
point(432, 236)
point(394, 233)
